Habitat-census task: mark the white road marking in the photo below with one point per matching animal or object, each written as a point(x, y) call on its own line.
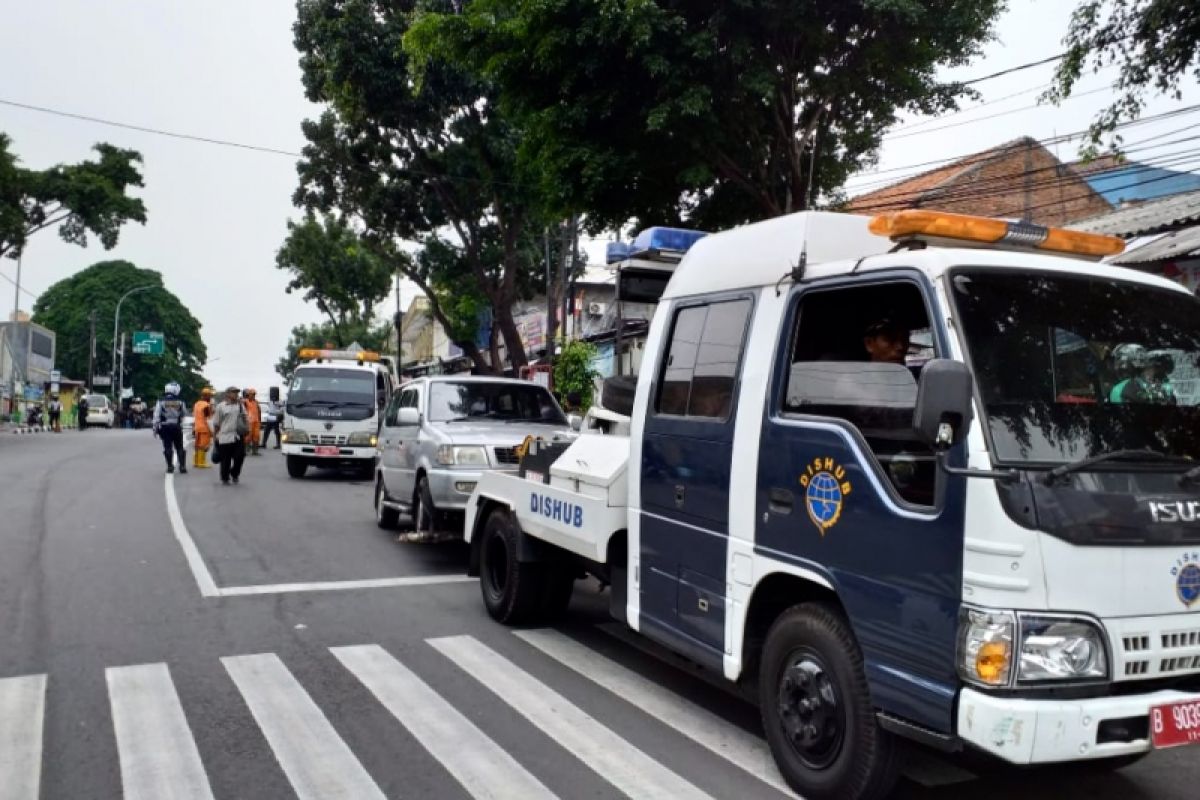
point(316, 760)
point(744, 750)
point(22, 711)
point(611, 757)
point(478, 763)
point(158, 756)
point(204, 579)
point(333, 586)
point(208, 586)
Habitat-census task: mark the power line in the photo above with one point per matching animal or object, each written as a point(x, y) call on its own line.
point(14, 283)
point(143, 129)
point(1011, 70)
point(894, 136)
point(975, 107)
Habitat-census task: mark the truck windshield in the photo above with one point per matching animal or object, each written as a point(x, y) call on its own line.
point(318, 386)
point(506, 401)
point(1075, 366)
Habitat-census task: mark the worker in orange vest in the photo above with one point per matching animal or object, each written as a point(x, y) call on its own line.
point(201, 412)
point(254, 414)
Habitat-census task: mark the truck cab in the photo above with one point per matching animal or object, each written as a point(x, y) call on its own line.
point(919, 478)
point(335, 404)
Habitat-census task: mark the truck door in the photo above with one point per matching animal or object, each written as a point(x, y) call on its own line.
point(845, 488)
point(686, 459)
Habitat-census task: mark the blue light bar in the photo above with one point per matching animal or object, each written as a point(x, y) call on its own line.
point(615, 252)
point(678, 240)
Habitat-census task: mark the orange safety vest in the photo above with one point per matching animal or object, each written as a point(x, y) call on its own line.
point(200, 414)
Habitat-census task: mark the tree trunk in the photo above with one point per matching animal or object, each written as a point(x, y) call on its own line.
point(502, 317)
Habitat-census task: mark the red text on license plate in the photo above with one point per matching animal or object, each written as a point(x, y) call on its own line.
point(1175, 724)
point(326, 450)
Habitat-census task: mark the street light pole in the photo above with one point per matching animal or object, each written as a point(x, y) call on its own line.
point(116, 324)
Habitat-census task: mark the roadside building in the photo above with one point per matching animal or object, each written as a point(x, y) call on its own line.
point(1163, 236)
point(26, 361)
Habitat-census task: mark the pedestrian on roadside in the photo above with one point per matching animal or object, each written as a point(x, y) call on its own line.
point(55, 409)
point(202, 413)
point(81, 409)
point(272, 419)
point(230, 427)
point(168, 426)
point(254, 415)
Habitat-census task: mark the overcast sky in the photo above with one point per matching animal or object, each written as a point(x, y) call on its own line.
point(227, 70)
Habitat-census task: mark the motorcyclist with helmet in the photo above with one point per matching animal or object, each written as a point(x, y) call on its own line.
point(1145, 376)
point(168, 426)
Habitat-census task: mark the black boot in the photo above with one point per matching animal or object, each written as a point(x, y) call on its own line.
point(170, 468)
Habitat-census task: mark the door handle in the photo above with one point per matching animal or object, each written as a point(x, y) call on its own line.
point(780, 501)
point(680, 494)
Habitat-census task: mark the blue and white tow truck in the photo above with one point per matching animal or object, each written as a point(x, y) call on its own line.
point(919, 478)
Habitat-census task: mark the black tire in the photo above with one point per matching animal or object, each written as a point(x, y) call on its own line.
point(296, 467)
point(817, 712)
point(386, 518)
point(618, 392)
point(512, 591)
point(425, 517)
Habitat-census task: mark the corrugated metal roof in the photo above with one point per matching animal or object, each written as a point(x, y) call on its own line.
point(1152, 217)
point(1168, 247)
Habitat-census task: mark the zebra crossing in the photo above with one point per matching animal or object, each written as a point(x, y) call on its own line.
point(159, 758)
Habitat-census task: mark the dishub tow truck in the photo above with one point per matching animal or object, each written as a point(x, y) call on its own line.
point(918, 478)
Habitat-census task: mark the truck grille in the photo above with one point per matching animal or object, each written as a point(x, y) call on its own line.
point(507, 455)
point(1147, 653)
point(328, 438)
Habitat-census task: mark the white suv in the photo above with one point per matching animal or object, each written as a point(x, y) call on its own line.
point(100, 411)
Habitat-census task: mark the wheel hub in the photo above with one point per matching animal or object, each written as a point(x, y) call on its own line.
point(810, 711)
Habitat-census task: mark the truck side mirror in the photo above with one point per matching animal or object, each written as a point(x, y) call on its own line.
point(408, 416)
point(575, 421)
point(942, 415)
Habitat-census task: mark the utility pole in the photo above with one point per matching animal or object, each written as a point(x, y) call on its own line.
point(91, 348)
point(399, 320)
point(551, 327)
point(11, 332)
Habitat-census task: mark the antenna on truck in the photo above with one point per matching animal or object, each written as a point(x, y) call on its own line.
point(796, 273)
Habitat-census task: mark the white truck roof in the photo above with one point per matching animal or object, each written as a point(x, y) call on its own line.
point(762, 253)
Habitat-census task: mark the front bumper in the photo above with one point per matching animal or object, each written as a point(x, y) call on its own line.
point(451, 488)
point(1048, 731)
point(345, 453)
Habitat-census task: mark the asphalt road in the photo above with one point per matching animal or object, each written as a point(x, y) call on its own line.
point(302, 652)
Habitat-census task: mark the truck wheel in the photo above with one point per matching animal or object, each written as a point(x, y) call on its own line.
point(512, 591)
point(817, 712)
point(296, 467)
point(424, 512)
point(386, 518)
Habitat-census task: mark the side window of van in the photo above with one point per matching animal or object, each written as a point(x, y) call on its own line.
point(856, 355)
point(703, 354)
point(389, 416)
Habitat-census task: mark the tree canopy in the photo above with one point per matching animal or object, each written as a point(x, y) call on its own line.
point(714, 113)
point(1155, 44)
point(88, 197)
point(337, 271)
point(65, 306)
point(416, 151)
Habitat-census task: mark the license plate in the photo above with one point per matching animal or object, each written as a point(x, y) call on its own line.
point(326, 450)
point(1175, 724)
point(536, 477)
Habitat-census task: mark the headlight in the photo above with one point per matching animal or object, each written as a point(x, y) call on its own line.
point(986, 646)
point(454, 456)
point(361, 439)
point(296, 437)
point(1058, 649)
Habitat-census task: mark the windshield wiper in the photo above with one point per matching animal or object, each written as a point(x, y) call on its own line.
point(1191, 475)
point(1116, 455)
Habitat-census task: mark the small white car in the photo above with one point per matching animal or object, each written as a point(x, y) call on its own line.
point(100, 412)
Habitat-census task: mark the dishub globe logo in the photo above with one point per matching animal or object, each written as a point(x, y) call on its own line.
point(825, 491)
point(1187, 578)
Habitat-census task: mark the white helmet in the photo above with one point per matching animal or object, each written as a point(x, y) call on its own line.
point(1129, 356)
point(172, 388)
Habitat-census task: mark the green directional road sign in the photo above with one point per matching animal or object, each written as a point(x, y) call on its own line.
point(148, 343)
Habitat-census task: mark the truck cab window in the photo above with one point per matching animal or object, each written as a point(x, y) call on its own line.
point(703, 354)
point(856, 355)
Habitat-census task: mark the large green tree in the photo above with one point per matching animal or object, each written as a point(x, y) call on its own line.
point(337, 271)
point(416, 151)
point(1154, 43)
point(65, 308)
point(88, 197)
point(710, 112)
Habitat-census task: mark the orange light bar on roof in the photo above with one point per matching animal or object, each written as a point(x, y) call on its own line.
point(309, 353)
point(915, 223)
